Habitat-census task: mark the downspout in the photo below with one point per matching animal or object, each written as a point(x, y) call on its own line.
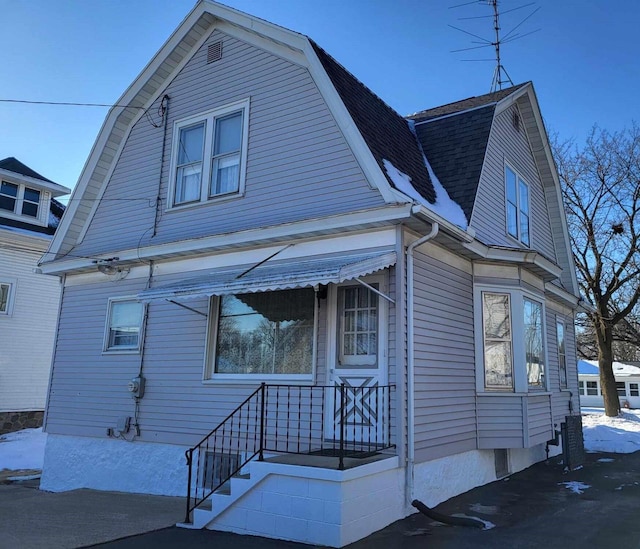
point(411, 360)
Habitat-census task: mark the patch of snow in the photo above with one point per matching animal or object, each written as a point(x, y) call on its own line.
point(54, 220)
point(606, 460)
point(444, 206)
point(487, 524)
point(22, 449)
point(575, 486)
point(617, 435)
point(591, 367)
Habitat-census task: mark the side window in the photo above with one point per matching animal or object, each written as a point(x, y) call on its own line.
point(534, 344)
point(5, 298)
point(592, 388)
point(208, 155)
point(496, 321)
point(633, 390)
point(124, 325)
point(517, 204)
point(581, 387)
point(562, 356)
point(621, 388)
point(8, 196)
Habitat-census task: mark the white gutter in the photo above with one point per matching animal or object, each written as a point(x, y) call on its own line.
point(435, 227)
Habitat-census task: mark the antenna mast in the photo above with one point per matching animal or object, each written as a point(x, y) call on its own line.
point(500, 74)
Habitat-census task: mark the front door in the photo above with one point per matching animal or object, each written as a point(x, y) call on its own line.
point(358, 400)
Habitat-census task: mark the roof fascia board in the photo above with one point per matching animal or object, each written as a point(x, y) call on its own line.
point(524, 257)
point(250, 237)
point(561, 294)
point(348, 127)
point(455, 113)
point(428, 215)
point(535, 106)
point(55, 188)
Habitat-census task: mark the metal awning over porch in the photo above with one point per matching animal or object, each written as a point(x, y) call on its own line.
point(270, 276)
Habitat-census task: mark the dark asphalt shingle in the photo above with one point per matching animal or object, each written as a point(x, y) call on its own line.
point(386, 133)
point(14, 165)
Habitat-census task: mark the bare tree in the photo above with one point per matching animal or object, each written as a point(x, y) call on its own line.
point(601, 187)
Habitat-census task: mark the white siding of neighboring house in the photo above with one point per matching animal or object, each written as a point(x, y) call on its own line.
point(299, 165)
point(506, 144)
point(27, 334)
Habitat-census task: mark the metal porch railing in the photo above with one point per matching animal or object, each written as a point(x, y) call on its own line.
point(338, 421)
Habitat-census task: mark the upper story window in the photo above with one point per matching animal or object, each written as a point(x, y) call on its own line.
point(20, 200)
point(209, 155)
point(517, 192)
point(124, 325)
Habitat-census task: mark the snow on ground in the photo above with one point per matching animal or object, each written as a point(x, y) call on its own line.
point(618, 435)
point(22, 449)
point(575, 486)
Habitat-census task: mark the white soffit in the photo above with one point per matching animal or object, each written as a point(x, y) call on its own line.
point(271, 276)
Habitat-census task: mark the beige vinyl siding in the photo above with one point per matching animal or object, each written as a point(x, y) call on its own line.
point(445, 415)
point(298, 163)
point(27, 334)
point(506, 144)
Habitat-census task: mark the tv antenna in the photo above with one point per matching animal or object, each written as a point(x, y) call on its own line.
point(500, 74)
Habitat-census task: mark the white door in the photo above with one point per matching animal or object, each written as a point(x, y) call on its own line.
point(358, 400)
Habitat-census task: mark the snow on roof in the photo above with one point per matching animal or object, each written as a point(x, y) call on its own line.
point(590, 367)
point(444, 206)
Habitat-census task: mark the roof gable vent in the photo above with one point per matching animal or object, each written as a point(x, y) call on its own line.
point(214, 52)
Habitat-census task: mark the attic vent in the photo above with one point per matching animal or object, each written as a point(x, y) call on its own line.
point(515, 120)
point(214, 52)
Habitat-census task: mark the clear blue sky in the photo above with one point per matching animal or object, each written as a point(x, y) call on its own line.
point(584, 61)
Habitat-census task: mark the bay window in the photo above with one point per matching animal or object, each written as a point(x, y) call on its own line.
point(209, 155)
point(562, 354)
point(263, 335)
point(511, 335)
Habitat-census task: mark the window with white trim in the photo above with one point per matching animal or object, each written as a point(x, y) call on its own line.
point(621, 388)
point(533, 341)
point(5, 298)
point(513, 355)
point(562, 355)
point(209, 155)
point(517, 195)
point(592, 388)
point(633, 390)
point(498, 352)
point(124, 325)
point(20, 200)
point(262, 335)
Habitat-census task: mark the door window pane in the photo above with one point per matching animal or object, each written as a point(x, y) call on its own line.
point(358, 326)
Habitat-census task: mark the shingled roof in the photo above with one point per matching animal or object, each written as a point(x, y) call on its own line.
point(464, 104)
point(455, 146)
point(454, 139)
point(14, 165)
point(386, 133)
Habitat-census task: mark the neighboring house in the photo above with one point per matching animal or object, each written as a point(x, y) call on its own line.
point(29, 215)
point(627, 375)
point(260, 216)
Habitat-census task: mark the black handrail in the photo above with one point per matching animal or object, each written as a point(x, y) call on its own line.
point(290, 419)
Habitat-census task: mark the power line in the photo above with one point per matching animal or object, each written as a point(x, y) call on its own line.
point(67, 103)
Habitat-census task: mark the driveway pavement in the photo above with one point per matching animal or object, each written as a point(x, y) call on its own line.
point(531, 509)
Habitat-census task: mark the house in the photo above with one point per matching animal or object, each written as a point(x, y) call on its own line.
point(329, 309)
point(627, 376)
point(29, 215)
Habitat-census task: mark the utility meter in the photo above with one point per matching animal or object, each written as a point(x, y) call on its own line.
point(136, 387)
